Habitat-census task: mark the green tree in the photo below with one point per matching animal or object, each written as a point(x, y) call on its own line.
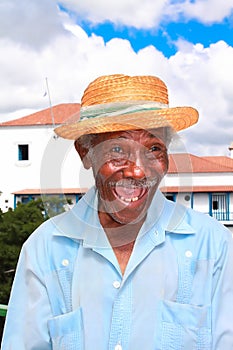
point(54, 205)
point(15, 227)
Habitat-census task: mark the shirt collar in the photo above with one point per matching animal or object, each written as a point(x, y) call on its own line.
point(82, 221)
point(165, 216)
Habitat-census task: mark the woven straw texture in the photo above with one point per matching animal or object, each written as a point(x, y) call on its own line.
point(119, 87)
point(139, 91)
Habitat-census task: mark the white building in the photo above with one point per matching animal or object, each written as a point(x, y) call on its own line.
point(35, 161)
point(202, 183)
point(32, 157)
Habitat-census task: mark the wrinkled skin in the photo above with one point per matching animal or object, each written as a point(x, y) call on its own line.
point(128, 167)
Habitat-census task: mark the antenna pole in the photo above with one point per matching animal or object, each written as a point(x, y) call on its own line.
point(50, 104)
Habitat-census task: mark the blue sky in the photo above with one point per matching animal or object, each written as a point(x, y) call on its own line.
point(164, 38)
point(164, 32)
point(187, 43)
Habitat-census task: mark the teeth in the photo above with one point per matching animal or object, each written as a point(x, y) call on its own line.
point(134, 199)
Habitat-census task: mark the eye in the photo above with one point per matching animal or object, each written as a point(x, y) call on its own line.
point(116, 149)
point(155, 151)
point(155, 148)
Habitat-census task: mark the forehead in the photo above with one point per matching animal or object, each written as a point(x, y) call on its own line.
point(141, 136)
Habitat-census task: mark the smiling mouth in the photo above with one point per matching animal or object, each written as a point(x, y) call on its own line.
point(128, 200)
point(129, 194)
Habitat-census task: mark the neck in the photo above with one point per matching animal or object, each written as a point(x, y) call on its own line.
point(123, 254)
point(120, 234)
point(122, 238)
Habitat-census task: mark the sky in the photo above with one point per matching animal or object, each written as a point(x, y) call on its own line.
point(68, 43)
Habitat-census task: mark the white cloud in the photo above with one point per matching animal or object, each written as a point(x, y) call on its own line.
point(207, 11)
point(150, 13)
point(136, 13)
point(30, 22)
point(203, 78)
point(196, 76)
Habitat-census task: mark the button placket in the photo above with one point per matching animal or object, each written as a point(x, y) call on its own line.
point(188, 254)
point(116, 284)
point(65, 262)
point(185, 278)
point(121, 316)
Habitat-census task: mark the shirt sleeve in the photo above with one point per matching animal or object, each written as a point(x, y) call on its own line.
point(29, 307)
point(222, 301)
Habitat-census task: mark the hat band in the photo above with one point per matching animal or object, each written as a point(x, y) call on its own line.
point(116, 108)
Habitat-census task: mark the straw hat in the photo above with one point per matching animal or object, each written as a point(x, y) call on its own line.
point(120, 102)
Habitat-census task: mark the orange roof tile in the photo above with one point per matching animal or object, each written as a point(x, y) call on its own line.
point(165, 189)
point(61, 114)
point(50, 191)
point(178, 162)
point(188, 163)
point(222, 160)
point(189, 189)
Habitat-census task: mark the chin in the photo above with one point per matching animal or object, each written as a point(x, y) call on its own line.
point(129, 218)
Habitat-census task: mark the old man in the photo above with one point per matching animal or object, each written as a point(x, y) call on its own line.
point(125, 269)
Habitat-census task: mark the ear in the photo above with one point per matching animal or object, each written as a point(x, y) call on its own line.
point(83, 154)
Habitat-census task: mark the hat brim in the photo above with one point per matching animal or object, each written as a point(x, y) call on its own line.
point(178, 118)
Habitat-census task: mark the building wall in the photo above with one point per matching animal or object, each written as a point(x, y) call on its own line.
point(52, 162)
point(201, 202)
point(199, 179)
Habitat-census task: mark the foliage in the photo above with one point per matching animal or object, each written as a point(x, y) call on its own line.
point(15, 227)
point(54, 205)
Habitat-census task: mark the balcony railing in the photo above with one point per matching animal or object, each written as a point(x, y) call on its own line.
point(222, 215)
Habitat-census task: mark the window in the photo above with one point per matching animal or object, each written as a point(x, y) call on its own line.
point(170, 197)
point(220, 206)
point(23, 152)
point(24, 199)
point(215, 204)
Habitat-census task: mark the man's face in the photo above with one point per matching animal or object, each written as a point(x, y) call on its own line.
point(128, 167)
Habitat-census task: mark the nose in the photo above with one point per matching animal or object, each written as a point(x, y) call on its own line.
point(136, 167)
point(134, 171)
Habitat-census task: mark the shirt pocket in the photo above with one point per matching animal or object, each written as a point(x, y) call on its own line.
point(66, 331)
point(185, 326)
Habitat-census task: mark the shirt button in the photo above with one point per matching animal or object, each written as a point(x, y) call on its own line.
point(188, 254)
point(65, 262)
point(118, 347)
point(116, 284)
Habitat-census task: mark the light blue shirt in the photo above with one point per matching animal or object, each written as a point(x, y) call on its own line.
point(176, 292)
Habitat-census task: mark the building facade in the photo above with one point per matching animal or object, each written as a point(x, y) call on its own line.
point(32, 157)
point(35, 161)
point(202, 183)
